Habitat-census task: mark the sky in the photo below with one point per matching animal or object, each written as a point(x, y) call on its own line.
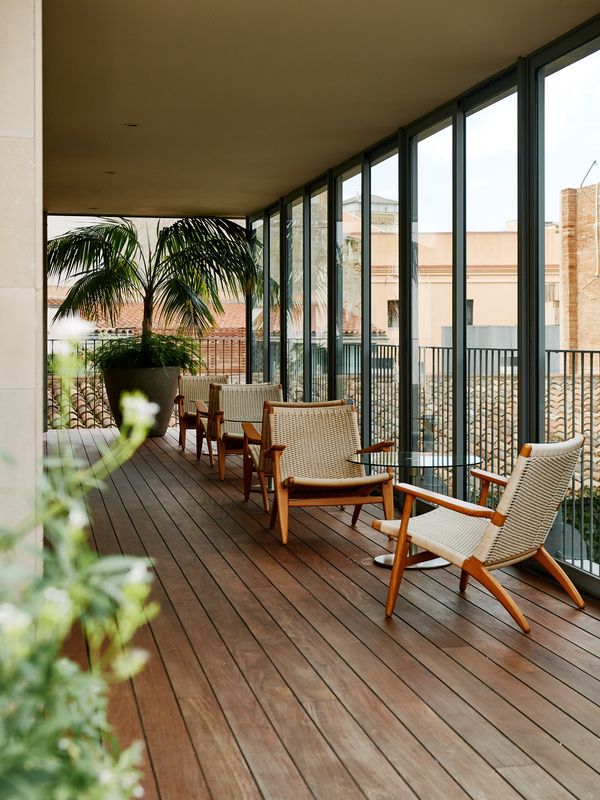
point(572, 131)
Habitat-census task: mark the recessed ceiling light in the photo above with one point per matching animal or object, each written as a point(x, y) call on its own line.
point(92, 208)
point(131, 124)
point(109, 172)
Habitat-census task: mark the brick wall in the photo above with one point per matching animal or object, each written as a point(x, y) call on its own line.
point(579, 276)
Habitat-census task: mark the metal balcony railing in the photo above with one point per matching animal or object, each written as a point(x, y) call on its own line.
point(88, 404)
point(492, 383)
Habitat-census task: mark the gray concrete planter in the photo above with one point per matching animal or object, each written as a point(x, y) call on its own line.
point(159, 384)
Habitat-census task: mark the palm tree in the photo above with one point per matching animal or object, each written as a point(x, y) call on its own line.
point(179, 273)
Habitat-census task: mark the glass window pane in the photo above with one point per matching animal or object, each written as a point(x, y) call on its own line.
point(492, 309)
point(257, 308)
point(384, 299)
point(274, 299)
point(318, 292)
point(572, 294)
point(348, 275)
point(432, 298)
point(295, 300)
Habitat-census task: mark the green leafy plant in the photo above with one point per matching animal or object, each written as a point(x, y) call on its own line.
point(55, 740)
point(148, 350)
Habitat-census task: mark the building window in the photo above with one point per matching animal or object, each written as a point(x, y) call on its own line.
point(469, 312)
point(393, 313)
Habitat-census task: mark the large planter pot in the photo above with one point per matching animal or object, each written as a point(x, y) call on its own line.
point(159, 384)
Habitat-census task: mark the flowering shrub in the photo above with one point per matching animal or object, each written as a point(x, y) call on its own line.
point(55, 740)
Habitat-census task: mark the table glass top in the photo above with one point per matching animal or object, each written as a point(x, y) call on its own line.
point(415, 460)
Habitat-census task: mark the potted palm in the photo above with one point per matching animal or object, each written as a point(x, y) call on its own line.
point(178, 272)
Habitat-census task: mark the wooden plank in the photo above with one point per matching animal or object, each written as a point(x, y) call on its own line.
point(446, 690)
point(123, 713)
point(362, 759)
point(171, 755)
point(244, 714)
point(419, 714)
point(558, 752)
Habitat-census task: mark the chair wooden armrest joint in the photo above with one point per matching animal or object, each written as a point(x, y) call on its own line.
point(453, 503)
point(250, 433)
point(378, 447)
point(489, 477)
point(201, 407)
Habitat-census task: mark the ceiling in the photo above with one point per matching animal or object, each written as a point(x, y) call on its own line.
point(238, 103)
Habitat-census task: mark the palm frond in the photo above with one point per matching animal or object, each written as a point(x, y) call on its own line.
point(218, 251)
point(94, 248)
point(101, 292)
point(186, 303)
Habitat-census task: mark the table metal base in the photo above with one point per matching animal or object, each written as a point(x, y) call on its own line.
point(256, 487)
point(387, 560)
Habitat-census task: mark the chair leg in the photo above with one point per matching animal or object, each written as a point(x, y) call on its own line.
point(355, 513)
point(478, 570)
point(273, 513)
point(397, 573)
point(211, 456)
point(199, 440)
point(387, 492)
point(221, 459)
point(247, 476)
point(464, 579)
point(182, 437)
point(559, 575)
point(283, 513)
point(263, 490)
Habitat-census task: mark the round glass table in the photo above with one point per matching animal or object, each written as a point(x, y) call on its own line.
point(415, 463)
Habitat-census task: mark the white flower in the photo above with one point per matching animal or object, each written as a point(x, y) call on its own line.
point(137, 574)
point(138, 791)
point(59, 600)
point(77, 517)
point(137, 410)
point(15, 637)
point(105, 776)
point(13, 621)
point(73, 329)
point(62, 347)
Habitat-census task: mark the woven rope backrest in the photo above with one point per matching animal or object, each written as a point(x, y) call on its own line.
point(244, 403)
point(317, 441)
point(197, 387)
point(266, 464)
point(532, 498)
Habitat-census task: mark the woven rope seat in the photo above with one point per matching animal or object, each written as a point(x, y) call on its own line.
point(479, 539)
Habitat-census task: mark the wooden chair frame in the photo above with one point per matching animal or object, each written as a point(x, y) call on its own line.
point(226, 444)
point(253, 437)
point(472, 567)
point(288, 494)
point(188, 421)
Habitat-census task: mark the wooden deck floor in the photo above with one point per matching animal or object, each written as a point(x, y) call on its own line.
point(274, 673)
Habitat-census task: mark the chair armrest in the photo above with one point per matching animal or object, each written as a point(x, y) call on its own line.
point(201, 407)
point(179, 398)
point(378, 447)
point(250, 433)
point(489, 477)
point(462, 506)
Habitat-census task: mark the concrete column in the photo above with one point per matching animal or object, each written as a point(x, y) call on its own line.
point(21, 258)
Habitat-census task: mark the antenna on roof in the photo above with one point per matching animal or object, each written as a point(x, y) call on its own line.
point(592, 165)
